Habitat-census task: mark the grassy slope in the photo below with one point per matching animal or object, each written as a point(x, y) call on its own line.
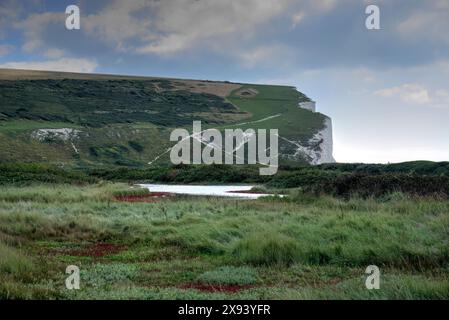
point(109, 132)
point(299, 248)
point(272, 100)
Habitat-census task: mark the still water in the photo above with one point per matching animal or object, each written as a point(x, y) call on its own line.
point(216, 191)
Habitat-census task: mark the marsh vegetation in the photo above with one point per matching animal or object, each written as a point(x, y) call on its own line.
point(301, 247)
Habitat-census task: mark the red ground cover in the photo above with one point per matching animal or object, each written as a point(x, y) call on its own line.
point(216, 288)
point(97, 250)
point(151, 197)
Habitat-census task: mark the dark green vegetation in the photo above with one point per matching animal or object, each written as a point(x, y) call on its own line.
point(301, 247)
point(96, 103)
point(339, 180)
point(26, 174)
point(412, 167)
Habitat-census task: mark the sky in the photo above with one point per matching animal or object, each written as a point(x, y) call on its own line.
point(386, 90)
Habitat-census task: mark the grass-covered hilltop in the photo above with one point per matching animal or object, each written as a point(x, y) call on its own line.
point(84, 120)
point(73, 148)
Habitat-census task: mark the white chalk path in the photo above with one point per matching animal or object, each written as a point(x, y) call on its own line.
point(195, 136)
point(256, 121)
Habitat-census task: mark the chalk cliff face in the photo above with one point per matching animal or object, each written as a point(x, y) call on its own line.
point(321, 145)
point(317, 150)
point(308, 105)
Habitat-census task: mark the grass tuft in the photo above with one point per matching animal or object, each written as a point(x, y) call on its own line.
point(12, 261)
point(266, 249)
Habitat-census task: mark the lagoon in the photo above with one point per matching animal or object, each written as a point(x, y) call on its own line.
point(235, 191)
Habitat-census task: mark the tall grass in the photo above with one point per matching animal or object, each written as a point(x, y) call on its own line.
point(65, 193)
point(13, 261)
point(397, 232)
point(266, 248)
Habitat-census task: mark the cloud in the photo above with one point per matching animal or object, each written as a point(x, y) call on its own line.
point(444, 65)
point(9, 11)
point(160, 27)
point(9, 8)
point(298, 18)
point(410, 93)
point(264, 54)
point(319, 34)
point(183, 24)
point(54, 53)
point(428, 24)
point(35, 26)
point(442, 96)
point(5, 49)
point(117, 23)
point(416, 94)
point(324, 5)
point(168, 28)
point(63, 65)
point(364, 74)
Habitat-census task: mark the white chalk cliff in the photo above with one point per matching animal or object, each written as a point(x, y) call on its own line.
point(317, 150)
point(320, 149)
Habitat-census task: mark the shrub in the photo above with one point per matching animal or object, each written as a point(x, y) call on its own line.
point(383, 184)
point(31, 173)
point(308, 178)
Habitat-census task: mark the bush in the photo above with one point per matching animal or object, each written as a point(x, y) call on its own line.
point(411, 167)
point(185, 174)
point(302, 178)
point(28, 173)
point(384, 184)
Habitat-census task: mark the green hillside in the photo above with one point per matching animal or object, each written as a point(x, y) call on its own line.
point(106, 120)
